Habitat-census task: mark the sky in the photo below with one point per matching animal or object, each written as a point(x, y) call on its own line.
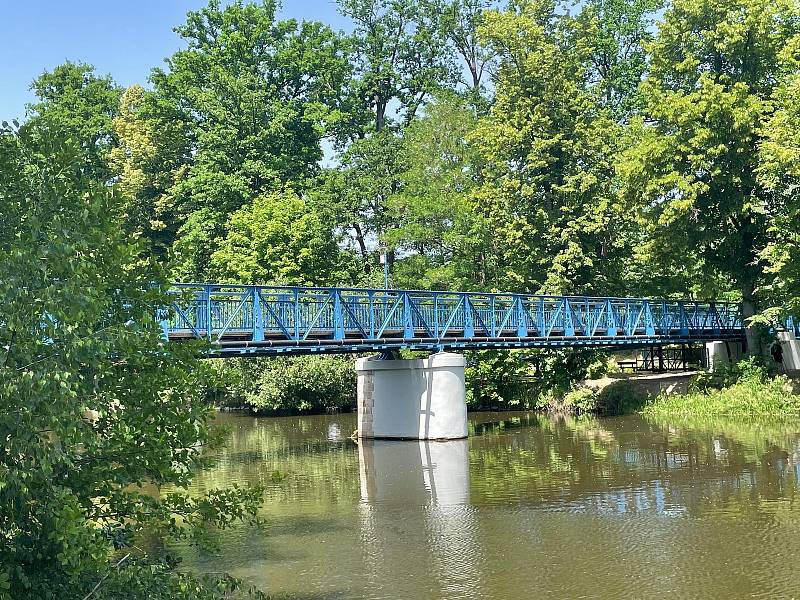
point(123, 38)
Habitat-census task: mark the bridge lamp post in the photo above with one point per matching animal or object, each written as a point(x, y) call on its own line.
point(385, 263)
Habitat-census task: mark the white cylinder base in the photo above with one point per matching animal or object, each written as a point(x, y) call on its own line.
point(791, 351)
point(721, 353)
point(421, 399)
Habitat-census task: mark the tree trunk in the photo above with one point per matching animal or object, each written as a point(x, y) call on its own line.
point(362, 246)
point(748, 310)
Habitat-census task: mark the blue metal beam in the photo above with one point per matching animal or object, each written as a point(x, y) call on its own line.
point(279, 320)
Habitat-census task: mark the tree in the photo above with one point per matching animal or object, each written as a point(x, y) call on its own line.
point(439, 233)
point(693, 171)
point(617, 32)
point(398, 54)
point(779, 174)
point(95, 406)
point(151, 158)
point(459, 21)
point(238, 113)
point(279, 239)
point(357, 192)
point(548, 193)
point(73, 98)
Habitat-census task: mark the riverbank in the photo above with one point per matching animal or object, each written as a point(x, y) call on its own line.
point(745, 389)
point(748, 397)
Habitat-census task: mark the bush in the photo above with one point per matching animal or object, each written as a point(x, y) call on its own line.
point(492, 378)
point(581, 400)
point(753, 395)
point(291, 384)
point(728, 374)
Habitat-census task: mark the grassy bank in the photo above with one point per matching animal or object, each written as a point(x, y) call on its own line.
point(746, 389)
point(753, 396)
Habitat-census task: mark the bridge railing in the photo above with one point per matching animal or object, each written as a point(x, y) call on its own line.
point(257, 313)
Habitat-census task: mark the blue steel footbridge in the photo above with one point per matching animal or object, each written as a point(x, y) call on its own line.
point(242, 320)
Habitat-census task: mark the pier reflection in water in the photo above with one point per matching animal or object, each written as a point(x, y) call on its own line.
point(527, 507)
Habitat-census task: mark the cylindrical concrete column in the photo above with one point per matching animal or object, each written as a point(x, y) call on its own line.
point(420, 399)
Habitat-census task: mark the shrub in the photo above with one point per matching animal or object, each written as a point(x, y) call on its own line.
point(728, 374)
point(293, 384)
point(581, 400)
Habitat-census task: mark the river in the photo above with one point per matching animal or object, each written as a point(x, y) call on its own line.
point(528, 507)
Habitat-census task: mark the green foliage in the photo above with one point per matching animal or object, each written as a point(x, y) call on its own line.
point(580, 400)
point(94, 406)
point(278, 239)
point(549, 150)
point(691, 167)
point(727, 374)
point(779, 173)
point(751, 396)
point(72, 98)
point(297, 384)
point(246, 106)
point(439, 232)
point(491, 376)
point(398, 56)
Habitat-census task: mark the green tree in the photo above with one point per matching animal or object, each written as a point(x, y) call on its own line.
point(398, 53)
point(73, 98)
point(238, 113)
point(779, 173)
point(439, 232)
point(357, 191)
point(693, 168)
point(279, 239)
point(99, 417)
point(458, 21)
point(617, 33)
point(548, 194)
point(151, 157)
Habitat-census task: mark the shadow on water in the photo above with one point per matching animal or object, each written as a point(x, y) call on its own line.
point(568, 507)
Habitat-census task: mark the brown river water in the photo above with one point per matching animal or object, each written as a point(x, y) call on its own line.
point(529, 506)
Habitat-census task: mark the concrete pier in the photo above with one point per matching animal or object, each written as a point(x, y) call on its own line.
point(420, 399)
point(720, 353)
point(790, 346)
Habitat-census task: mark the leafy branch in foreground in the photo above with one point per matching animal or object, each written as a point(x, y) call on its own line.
point(98, 416)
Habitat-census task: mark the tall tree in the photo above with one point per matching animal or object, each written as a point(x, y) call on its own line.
point(152, 157)
point(255, 96)
point(399, 56)
point(618, 31)
point(439, 234)
point(779, 173)
point(693, 170)
point(458, 21)
point(94, 407)
point(549, 148)
point(357, 191)
point(73, 98)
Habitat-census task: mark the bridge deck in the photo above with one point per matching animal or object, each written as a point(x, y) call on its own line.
point(272, 320)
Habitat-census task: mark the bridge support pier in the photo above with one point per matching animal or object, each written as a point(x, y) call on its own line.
point(720, 353)
point(790, 346)
point(419, 399)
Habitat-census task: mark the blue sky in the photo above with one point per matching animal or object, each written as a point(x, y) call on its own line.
point(125, 38)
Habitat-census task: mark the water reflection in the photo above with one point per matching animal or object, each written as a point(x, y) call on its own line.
point(433, 477)
point(620, 507)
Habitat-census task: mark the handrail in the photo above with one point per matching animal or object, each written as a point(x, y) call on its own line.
point(289, 319)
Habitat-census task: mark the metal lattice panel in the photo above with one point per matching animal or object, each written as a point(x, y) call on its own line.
point(239, 319)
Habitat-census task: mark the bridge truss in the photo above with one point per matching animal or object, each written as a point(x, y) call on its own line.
point(271, 320)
